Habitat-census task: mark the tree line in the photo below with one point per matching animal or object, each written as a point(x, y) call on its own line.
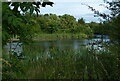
point(27, 24)
point(51, 23)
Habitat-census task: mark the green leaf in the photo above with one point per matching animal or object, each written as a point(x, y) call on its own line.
point(31, 10)
point(10, 19)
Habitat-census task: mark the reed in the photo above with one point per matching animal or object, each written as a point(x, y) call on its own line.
point(36, 63)
point(57, 36)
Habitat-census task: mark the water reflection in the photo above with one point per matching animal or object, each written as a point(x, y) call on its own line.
point(16, 47)
point(76, 44)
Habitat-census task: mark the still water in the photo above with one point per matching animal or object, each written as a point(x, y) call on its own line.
point(74, 44)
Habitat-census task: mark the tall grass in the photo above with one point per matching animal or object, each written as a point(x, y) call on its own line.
point(57, 36)
point(36, 63)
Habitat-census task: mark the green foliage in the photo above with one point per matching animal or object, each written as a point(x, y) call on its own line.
point(111, 25)
point(15, 23)
point(100, 28)
point(81, 21)
point(114, 20)
point(35, 63)
point(24, 24)
point(59, 36)
point(64, 64)
point(68, 23)
point(5, 37)
point(51, 23)
point(115, 30)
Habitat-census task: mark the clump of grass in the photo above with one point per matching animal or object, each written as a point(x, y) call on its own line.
point(64, 64)
point(60, 36)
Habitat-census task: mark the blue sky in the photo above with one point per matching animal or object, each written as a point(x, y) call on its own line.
point(75, 8)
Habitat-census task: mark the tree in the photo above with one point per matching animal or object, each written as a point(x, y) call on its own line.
point(113, 18)
point(68, 22)
point(115, 29)
point(53, 23)
point(14, 23)
point(81, 21)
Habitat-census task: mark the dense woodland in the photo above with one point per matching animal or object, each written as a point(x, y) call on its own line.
point(59, 64)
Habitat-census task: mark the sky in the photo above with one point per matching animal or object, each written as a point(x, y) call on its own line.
point(76, 9)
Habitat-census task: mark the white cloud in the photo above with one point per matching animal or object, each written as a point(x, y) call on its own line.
point(74, 7)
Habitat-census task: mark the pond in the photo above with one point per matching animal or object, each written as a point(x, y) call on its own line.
point(74, 44)
point(62, 59)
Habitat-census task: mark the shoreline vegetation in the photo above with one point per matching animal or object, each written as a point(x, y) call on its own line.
point(56, 36)
point(61, 36)
point(92, 61)
point(86, 64)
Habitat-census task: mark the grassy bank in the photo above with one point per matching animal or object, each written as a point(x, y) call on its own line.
point(60, 36)
point(57, 36)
